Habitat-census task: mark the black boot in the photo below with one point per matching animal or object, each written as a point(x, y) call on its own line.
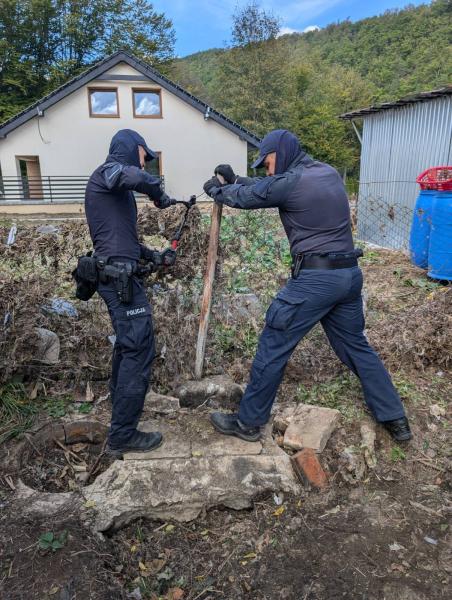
point(139, 442)
point(231, 425)
point(399, 429)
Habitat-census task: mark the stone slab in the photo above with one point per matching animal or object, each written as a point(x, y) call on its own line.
point(159, 403)
point(180, 489)
point(214, 444)
point(283, 414)
point(176, 442)
point(311, 427)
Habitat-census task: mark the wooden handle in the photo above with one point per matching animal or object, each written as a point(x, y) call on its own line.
point(212, 257)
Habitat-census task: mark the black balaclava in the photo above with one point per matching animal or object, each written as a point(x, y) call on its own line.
point(286, 146)
point(124, 148)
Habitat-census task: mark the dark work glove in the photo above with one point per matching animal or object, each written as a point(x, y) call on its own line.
point(148, 254)
point(226, 172)
point(212, 186)
point(168, 257)
point(164, 201)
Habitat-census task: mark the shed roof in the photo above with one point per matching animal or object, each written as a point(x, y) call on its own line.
point(420, 97)
point(104, 65)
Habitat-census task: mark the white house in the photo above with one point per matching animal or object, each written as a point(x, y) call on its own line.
point(48, 151)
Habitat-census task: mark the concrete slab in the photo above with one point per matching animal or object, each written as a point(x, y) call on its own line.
point(195, 469)
point(176, 442)
point(311, 427)
point(180, 489)
point(159, 403)
point(215, 444)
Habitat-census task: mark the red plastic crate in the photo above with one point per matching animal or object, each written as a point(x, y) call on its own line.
point(436, 178)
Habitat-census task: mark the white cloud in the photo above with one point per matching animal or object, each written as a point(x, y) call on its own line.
point(311, 28)
point(286, 31)
point(289, 30)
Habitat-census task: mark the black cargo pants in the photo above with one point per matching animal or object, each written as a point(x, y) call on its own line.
point(333, 298)
point(133, 353)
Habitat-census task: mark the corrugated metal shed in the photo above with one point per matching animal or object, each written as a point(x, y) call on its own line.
point(399, 141)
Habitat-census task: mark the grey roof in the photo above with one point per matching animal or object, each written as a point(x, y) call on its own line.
point(421, 97)
point(104, 65)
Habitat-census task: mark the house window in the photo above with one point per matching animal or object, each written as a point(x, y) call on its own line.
point(154, 167)
point(103, 102)
point(147, 103)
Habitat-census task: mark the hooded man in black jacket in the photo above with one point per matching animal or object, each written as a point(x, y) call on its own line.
point(325, 286)
point(111, 212)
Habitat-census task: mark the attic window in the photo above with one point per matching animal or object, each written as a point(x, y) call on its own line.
point(147, 103)
point(103, 102)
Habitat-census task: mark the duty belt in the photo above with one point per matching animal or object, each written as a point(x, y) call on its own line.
point(120, 274)
point(328, 261)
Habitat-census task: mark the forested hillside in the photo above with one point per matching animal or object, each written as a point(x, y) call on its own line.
point(308, 79)
point(298, 81)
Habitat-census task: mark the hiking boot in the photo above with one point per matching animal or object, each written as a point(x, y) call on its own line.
point(399, 429)
point(231, 425)
point(139, 442)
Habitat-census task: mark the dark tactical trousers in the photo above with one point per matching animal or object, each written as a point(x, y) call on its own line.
point(332, 297)
point(133, 353)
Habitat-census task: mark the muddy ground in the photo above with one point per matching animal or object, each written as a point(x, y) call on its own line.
point(383, 536)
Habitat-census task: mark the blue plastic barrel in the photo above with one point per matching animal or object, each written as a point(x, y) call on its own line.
point(440, 248)
point(420, 228)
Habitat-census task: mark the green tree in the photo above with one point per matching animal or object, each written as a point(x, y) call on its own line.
point(322, 93)
point(134, 25)
point(251, 79)
point(45, 42)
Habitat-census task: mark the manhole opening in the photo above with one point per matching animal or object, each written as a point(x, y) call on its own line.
point(65, 457)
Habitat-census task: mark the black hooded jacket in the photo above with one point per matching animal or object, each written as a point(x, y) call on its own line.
point(110, 206)
point(310, 195)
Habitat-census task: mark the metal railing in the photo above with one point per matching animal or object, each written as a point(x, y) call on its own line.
point(54, 188)
point(43, 189)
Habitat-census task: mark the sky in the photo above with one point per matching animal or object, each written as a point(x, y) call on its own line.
point(204, 24)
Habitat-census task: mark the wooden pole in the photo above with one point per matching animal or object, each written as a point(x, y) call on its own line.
point(212, 257)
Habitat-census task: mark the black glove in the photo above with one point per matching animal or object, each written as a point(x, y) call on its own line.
point(212, 186)
point(148, 254)
point(226, 172)
point(164, 201)
point(168, 257)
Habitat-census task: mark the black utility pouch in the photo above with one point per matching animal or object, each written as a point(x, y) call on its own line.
point(86, 277)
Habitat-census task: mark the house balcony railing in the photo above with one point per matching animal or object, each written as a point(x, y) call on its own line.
point(54, 188)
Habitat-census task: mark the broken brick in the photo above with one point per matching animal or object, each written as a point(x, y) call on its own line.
point(308, 468)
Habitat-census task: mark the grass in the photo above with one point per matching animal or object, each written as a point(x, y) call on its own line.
point(397, 454)
point(17, 413)
point(342, 393)
point(57, 406)
point(234, 339)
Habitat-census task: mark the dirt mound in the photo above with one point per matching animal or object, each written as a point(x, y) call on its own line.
point(420, 336)
point(408, 323)
point(193, 244)
point(36, 270)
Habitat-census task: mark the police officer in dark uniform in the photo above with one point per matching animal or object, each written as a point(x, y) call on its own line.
point(325, 285)
point(111, 212)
